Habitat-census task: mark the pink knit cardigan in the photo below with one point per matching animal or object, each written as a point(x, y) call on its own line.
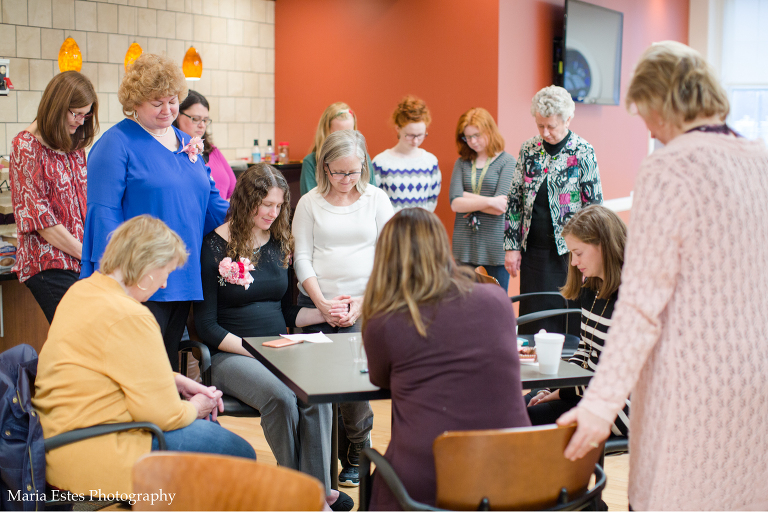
point(689, 336)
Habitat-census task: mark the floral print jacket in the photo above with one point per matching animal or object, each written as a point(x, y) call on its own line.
point(574, 182)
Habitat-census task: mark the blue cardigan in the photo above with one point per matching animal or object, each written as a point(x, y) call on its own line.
point(129, 174)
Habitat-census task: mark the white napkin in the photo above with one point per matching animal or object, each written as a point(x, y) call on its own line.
point(316, 337)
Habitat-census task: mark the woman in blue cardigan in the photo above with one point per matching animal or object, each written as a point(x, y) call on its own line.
point(144, 165)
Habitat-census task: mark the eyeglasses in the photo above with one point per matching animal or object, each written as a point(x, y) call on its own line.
point(341, 175)
point(472, 137)
point(80, 117)
point(198, 119)
point(412, 137)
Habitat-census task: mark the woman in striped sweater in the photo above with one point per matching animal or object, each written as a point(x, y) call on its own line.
point(595, 237)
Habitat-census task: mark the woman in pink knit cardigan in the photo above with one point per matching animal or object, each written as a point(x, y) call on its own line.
point(688, 337)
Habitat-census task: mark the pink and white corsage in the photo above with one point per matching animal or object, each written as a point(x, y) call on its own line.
point(193, 148)
point(236, 272)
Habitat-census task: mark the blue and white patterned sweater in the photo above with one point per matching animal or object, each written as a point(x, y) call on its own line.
point(409, 182)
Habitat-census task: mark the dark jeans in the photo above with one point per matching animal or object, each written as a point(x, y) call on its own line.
point(49, 286)
point(206, 437)
point(172, 318)
point(357, 417)
point(501, 275)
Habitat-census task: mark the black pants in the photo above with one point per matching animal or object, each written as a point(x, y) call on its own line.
point(543, 270)
point(172, 318)
point(548, 412)
point(49, 286)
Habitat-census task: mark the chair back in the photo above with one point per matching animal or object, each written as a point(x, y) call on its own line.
point(217, 482)
point(514, 469)
point(481, 275)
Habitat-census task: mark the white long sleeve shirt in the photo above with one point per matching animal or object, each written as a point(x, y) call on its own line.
point(336, 244)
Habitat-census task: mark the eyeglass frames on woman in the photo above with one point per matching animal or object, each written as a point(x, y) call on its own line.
point(341, 175)
point(411, 137)
point(198, 120)
point(471, 137)
point(80, 117)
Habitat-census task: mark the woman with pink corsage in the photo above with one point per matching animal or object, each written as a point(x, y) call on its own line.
point(555, 177)
point(247, 292)
point(144, 165)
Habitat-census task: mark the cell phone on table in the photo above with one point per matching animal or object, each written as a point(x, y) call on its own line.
point(281, 342)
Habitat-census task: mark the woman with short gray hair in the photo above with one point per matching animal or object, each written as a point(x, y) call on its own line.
point(335, 228)
point(556, 176)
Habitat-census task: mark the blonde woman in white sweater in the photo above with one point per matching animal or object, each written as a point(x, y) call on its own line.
point(335, 228)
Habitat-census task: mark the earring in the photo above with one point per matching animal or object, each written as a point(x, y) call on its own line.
point(141, 287)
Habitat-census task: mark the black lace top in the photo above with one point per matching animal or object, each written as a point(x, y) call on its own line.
point(264, 309)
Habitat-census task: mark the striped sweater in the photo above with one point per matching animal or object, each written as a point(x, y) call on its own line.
point(409, 182)
point(595, 321)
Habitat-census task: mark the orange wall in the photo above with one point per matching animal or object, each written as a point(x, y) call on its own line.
point(371, 53)
point(455, 54)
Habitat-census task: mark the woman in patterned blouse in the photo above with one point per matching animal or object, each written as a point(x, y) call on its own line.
point(48, 188)
point(595, 237)
point(556, 175)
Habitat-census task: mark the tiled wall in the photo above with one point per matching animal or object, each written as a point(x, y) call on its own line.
point(235, 38)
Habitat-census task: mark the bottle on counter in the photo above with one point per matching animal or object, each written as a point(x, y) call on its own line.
point(282, 153)
point(256, 152)
point(269, 154)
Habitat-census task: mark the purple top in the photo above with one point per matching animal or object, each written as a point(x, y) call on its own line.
point(464, 375)
point(221, 173)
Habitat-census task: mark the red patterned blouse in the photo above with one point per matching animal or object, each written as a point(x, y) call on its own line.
point(47, 188)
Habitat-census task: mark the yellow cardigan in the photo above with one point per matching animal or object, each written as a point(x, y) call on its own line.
point(104, 362)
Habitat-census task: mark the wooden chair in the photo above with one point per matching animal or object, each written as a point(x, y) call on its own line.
point(481, 275)
point(506, 469)
point(217, 482)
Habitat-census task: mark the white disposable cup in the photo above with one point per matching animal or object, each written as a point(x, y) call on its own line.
point(549, 349)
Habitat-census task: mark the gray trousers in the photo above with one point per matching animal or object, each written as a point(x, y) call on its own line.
point(298, 434)
point(357, 416)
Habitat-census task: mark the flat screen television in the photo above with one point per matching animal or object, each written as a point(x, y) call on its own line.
point(588, 62)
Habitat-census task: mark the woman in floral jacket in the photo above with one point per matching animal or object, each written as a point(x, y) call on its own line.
point(556, 175)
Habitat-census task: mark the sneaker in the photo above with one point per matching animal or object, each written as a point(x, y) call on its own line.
point(349, 476)
point(353, 452)
point(344, 502)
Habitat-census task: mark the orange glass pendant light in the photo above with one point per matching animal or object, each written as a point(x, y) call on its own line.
point(70, 57)
point(193, 64)
point(133, 53)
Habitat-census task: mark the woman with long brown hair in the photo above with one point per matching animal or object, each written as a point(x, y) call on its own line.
point(595, 237)
point(247, 293)
point(442, 344)
point(49, 188)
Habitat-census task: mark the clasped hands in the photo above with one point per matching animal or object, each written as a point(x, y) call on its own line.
point(342, 311)
point(206, 399)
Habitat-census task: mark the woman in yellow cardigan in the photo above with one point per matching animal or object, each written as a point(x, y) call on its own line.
point(105, 362)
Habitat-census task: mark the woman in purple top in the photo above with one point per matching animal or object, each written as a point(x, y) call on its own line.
point(194, 121)
point(444, 345)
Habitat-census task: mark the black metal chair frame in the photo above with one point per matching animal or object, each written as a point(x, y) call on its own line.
point(232, 406)
point(80, 434)
point(390, 478)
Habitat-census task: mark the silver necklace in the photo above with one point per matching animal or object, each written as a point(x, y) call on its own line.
point(136, 117)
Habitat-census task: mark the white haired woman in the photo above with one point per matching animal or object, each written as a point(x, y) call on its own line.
point(104, 362)
point(556, 176)
point(336, 226)
point(688, 333)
